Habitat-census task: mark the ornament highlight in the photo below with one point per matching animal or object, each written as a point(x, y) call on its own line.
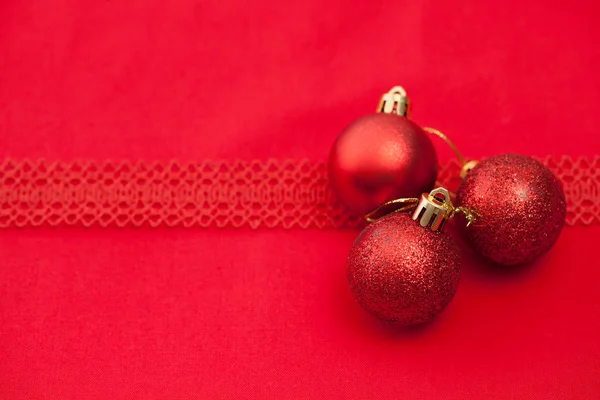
point(382, 156)
point(405, 270)
point(522, 206)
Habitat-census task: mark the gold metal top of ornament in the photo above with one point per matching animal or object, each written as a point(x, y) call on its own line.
point(434, 209)
point(431, 211)
point(395, 102)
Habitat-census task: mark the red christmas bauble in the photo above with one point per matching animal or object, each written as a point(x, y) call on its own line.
point(402, 272)
point(381, 157)
point(522, 207)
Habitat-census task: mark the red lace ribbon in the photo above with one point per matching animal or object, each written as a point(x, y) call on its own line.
point(288, 194)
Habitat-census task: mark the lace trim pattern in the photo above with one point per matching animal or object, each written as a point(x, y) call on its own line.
point(270, 194)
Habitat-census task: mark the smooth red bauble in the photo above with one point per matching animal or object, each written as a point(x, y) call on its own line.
point(401, 272)
point(381, 157)
point(522, 207)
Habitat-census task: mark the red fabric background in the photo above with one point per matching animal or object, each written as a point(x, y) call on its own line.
point(187, 314)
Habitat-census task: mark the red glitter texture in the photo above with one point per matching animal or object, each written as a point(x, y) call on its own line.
point(522, 207)
point(402, 272)
point(381, 157)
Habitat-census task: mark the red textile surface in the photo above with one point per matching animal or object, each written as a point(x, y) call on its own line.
point(223, 313)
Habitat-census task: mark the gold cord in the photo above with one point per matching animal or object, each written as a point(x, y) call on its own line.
point(408, 204)
point(446, 139)
point(470, 215)
point(467, 166)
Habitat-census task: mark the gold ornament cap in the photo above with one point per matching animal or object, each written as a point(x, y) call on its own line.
point(395, 102)
point(434, 209)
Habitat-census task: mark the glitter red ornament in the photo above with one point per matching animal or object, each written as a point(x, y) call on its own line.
point(381, 157)
point(522, 208)
point(404, 270)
